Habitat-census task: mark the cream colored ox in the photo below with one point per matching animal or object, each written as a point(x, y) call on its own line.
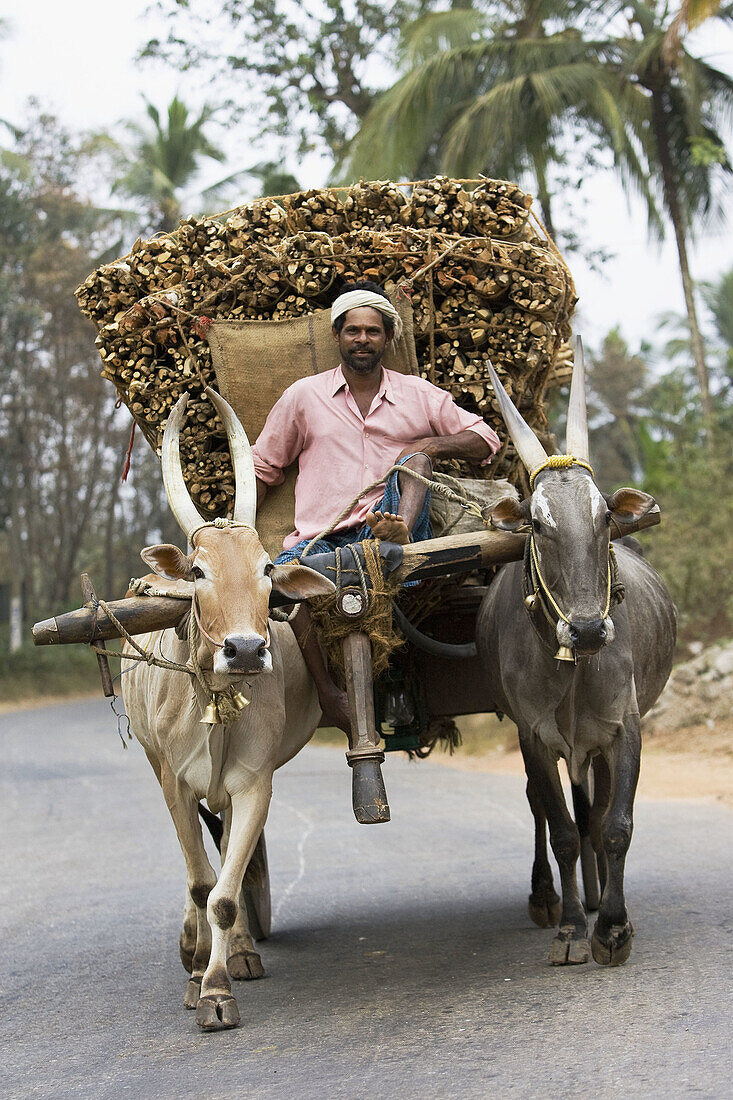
point(230, 766)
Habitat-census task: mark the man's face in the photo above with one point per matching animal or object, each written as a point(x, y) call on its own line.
point(362, 340)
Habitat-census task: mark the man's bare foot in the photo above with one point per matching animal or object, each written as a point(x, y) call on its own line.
point(388, 526)
point(335, 707)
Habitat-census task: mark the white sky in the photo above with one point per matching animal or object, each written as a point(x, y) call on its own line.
point(77, 58)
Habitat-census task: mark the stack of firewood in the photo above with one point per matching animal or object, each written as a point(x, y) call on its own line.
point(485, 285)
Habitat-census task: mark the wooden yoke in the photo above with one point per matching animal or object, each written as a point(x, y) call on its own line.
point(437, 557)
point(364, 756)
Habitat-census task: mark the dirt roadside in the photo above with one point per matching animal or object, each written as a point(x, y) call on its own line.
point(665, 774)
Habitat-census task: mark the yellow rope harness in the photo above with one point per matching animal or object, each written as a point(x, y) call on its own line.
point(548, 595)
point(558, 462)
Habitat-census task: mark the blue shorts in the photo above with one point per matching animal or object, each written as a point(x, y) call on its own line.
point(390, 502)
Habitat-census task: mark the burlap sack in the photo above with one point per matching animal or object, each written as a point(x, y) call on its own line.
point(256, 361)
point(447, 517)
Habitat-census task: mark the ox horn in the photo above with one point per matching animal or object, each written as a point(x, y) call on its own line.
point(182, 507)
point(528, 446)
point(576, 437)
point(245, 491)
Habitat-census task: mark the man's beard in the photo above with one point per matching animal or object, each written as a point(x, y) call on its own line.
point(361, 364)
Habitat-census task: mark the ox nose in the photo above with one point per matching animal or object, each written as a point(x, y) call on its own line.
point(245, 653)
point(588, 635)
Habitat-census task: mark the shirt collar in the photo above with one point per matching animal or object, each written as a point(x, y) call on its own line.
point(385, 388)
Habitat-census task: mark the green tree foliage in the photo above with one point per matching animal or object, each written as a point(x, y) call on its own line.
point(61, 438)
point(505, 89)
point(617, 382)
point(648, 429)
point(314, 68)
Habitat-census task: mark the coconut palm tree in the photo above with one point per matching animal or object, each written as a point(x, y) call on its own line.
point(476, 94)
point(166, 158)
point(681, 107)
point(486, 94)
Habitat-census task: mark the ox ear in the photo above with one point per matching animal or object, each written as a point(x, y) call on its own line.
point(168, 561)
point(509, 515)
point(627, 505)
point(300, 582)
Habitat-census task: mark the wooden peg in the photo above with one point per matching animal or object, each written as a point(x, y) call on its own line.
point(90, 599)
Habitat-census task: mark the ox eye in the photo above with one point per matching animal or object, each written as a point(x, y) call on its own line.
point(269, 568)
point(608, 517)
point(197, 572)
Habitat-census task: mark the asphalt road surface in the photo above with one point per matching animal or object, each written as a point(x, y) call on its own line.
point(402, 961)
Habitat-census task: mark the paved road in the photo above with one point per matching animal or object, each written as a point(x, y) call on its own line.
point(402, 963)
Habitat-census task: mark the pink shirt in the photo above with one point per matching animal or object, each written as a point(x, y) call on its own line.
point(318, 422)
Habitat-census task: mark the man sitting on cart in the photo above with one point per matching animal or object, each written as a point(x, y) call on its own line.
point(346, 427)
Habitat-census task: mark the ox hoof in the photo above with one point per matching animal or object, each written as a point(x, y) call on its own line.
point(245, 966)
point(217, 1011)
point(569, 949)
point(192, 994)
point(615, 948)
point(545, 909)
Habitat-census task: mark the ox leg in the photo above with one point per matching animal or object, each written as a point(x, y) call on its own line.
point(244, 962)
point(189, 933)
point(544, 904)
point(601, 799)
point(200, 876)
point(570, 945)
point(613, 933)
point(217, 1007)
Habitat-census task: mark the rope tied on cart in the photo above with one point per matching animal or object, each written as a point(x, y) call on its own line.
point(377, 593)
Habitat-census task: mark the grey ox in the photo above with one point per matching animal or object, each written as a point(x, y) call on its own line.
point(231, 765)
point(575, 664)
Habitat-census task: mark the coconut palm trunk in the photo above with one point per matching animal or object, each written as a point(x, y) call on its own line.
point(679, 223)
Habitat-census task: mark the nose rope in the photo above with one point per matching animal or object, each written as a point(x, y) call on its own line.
point(195, 606)
point(224, 706)
point(546, 591)
point(199, 624)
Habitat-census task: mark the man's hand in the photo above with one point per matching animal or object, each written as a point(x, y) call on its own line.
point(422, 446)
point(388, 526)
point(467, 445)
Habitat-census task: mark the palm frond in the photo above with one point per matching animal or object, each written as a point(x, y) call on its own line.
point(438, 32)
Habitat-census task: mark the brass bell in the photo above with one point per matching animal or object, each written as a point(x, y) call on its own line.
point(211, 715)
point(530, 601)
point(240, 702)
point(565, 654)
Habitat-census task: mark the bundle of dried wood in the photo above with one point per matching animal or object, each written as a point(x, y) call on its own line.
point(485, 285)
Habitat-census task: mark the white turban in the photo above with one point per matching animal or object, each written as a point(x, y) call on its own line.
point(353, 299)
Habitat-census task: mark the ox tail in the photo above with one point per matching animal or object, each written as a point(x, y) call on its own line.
point(213, 824)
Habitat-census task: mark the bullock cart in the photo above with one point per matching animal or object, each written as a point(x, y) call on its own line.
point(224, 315)
point(216, 942)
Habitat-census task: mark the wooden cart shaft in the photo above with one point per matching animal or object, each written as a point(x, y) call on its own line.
point(437, 557)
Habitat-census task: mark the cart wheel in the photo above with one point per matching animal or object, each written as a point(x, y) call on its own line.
point(256, 892)
point(582, 798)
